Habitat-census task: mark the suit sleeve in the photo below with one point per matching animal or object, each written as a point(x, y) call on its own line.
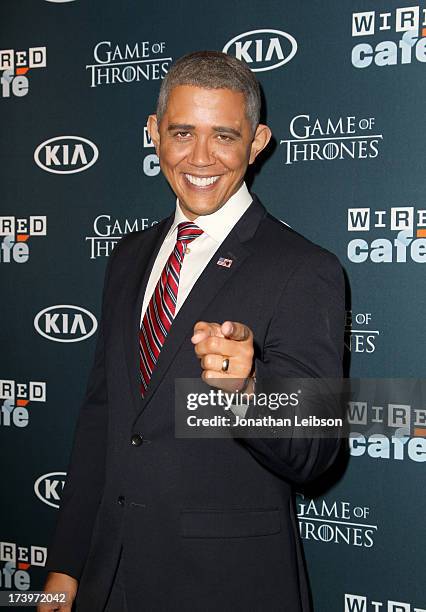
point(83, 489)
point(304, 340)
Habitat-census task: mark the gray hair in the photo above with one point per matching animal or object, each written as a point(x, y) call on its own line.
point(213, 70)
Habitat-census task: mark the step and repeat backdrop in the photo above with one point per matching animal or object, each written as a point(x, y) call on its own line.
point(344, 94)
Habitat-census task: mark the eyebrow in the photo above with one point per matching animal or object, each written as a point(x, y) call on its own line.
point(227, 130)
point(180, 126)
point(187, 127)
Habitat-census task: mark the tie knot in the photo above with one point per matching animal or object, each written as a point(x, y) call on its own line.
point(188, 231)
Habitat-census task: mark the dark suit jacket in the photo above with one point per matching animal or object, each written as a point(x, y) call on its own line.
point(204, 524)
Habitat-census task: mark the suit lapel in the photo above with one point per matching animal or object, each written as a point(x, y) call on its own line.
point(209, 283)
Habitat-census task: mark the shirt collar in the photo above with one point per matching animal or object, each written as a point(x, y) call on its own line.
point(218, 224)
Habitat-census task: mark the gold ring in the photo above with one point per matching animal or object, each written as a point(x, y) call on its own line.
point(225, 364)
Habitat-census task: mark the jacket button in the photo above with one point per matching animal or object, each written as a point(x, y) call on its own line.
point(136, 440)
point(121, 499)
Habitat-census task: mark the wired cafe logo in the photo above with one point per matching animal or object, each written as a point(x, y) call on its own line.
point(407, 23)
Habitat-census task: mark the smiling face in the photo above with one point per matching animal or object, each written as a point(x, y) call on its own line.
point(205, 143)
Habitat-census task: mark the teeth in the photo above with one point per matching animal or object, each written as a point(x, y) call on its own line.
point(201, 182)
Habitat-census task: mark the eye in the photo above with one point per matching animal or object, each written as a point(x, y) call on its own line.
point(182, 135)
point(225, 138)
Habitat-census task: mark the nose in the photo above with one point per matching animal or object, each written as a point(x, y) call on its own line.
point(201, 154)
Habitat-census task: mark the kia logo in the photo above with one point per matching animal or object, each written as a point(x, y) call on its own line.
point(65, 323)
point(66, 154)
point(263, 49)
point(48, 488)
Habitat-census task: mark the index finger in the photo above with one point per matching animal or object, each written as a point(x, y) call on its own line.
point(203, 330)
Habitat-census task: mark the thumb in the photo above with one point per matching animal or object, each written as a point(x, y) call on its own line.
point(236, 331)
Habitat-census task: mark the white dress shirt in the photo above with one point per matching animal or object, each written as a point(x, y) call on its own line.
point(216, 227)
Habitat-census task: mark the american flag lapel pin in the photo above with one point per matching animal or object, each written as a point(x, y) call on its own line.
point(226, 263)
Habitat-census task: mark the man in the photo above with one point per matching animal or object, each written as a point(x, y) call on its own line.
point(220, 289)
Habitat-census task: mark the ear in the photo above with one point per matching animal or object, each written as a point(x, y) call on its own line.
point(261, 138)
point(153, 131)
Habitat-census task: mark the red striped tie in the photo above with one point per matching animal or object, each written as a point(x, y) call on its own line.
point(160, 311)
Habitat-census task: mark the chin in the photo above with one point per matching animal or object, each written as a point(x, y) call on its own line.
point(199, 202)
point(200, 209)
